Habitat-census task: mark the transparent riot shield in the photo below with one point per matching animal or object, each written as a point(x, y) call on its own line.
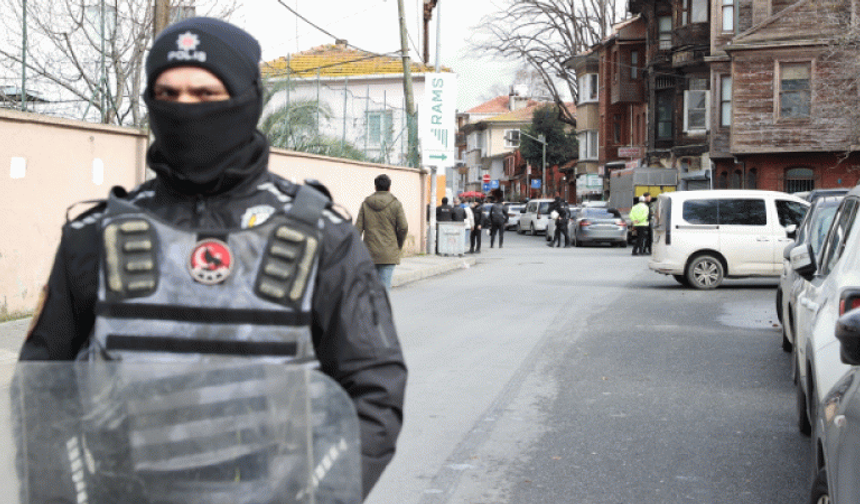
point(190, 433)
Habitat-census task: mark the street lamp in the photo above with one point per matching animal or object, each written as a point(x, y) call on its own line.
point(542, 139)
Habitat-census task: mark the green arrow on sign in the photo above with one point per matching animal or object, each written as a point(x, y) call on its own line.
point(443, 157)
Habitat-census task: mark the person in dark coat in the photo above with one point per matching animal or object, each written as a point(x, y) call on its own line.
point(480, 224)
point(498, 218)
point(204, 94)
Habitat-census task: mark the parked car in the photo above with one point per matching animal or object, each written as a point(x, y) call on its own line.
point(836, 449)
point(812, 230)
point(832, 288)
point(534, 217)
point(814, 194)
point(514, 213)
point(703, 237)
point(598, 225)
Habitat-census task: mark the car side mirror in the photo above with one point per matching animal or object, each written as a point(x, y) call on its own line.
point(802, 261)
point(522, 210)
point(848, 334)
point(786, 252)
point(791, 231)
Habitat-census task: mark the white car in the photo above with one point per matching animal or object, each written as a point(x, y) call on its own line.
point(534, 217)
point(833, 288)
point(702, 237)
point(812, 230)
point(515, 211)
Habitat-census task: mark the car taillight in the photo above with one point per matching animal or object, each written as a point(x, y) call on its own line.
point(848, 301)
point(620, 223)
point(584, 223)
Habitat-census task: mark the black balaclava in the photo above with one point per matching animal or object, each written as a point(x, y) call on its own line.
point(210, 147)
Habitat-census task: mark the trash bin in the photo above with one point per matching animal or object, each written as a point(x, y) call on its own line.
point(450, 238)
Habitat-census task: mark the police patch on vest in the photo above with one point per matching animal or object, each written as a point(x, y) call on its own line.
point(257, 215)
point(211, 262)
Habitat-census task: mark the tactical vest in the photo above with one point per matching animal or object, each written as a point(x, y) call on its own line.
point(170, 294)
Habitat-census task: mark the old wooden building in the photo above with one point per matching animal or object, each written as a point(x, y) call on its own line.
point(753, 93)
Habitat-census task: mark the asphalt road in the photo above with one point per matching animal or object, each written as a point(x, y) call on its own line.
point(545, 375)
point(578, 375)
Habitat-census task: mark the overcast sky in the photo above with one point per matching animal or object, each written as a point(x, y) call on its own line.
point(372, 25)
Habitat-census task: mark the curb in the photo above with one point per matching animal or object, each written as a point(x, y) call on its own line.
point(408, 275)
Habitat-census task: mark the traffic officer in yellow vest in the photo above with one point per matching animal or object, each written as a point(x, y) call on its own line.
point(639, 214)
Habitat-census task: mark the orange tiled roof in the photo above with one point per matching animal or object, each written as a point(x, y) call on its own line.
point(526, 113)
point(337, 60)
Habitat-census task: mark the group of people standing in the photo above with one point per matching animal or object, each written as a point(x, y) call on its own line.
point(476, 215)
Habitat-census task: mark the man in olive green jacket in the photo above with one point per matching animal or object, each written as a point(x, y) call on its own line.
point(382, 224)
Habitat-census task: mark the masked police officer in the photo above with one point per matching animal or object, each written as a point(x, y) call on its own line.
point(217, 255)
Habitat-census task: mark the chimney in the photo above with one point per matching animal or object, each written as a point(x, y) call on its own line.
point(341, 43)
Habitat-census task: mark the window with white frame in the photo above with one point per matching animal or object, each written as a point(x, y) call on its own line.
point(664, 36)
point(587, 145)
point(794, 90)
point(380, 127)
point(726, 101)
point(696, 100)
point(727, 13)
point(588, 90)
point(512, 138)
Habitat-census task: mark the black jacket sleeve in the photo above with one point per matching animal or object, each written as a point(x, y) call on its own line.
point(62, 325)
point(357, 345)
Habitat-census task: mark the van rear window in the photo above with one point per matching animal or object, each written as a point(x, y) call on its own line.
point(746, 212)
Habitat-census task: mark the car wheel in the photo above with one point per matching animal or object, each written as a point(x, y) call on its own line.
point(532, 229)
point(681, 279)
point(786, 345)
point(803, 424)
point(779, 305)
point(820, 493)
point(520, 229)
point(622, 244)
point(705, 272)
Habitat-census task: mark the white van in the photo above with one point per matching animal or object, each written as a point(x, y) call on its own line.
point(535, 217)
point(702, 237)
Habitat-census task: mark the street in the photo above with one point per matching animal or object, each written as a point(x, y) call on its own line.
point(578, 375)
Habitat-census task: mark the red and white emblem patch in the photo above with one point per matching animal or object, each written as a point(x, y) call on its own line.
point(211, 262)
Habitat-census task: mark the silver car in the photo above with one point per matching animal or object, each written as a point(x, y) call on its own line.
point(598, 225)
point(836, 449)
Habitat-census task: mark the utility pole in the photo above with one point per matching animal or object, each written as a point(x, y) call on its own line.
point(24, 59)
point(412, 128)
point(161, 17)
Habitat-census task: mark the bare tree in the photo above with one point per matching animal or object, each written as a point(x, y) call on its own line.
point(84, 56)
point(543, 34)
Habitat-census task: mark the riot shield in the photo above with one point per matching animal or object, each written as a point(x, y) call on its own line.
point(232, 432)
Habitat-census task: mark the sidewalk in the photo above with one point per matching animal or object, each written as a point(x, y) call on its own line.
point(410, 269)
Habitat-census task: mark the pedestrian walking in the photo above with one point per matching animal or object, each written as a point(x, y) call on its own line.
point(382, 224)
